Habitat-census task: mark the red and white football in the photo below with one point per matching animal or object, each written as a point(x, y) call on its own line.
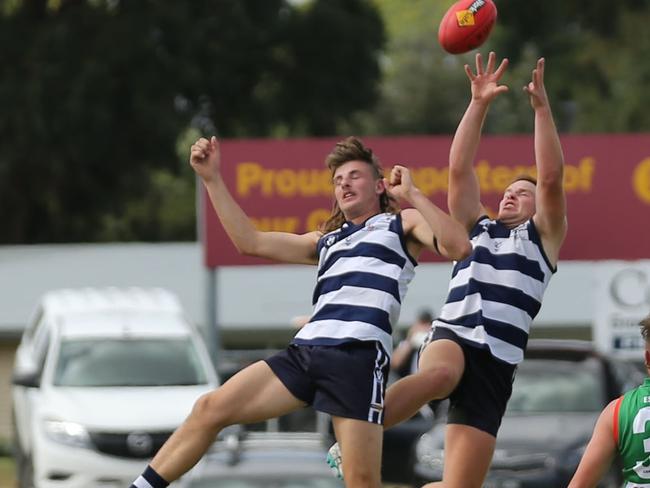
point(466, 25)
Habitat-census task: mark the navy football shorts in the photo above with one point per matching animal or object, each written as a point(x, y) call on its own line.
point(481, 396)
point(346, 380)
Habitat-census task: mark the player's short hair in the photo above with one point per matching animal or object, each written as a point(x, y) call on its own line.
point(524, 177)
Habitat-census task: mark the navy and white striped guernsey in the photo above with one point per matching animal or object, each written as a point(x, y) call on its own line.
point(363, 273)
point(496, 292)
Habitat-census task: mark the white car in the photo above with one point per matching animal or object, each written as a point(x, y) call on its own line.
point(102, 377)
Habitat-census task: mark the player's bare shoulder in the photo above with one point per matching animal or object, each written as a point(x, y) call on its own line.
point(312, 238)
point(410, 219)
point(413, 224)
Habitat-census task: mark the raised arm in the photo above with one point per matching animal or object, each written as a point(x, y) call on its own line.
point(425, 225)
point(550, 216)
point(599, 453)
point(281, 246)
point(464, 198)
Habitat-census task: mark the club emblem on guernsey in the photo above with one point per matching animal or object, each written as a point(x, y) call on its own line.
point(521, 232)
point(330, 240)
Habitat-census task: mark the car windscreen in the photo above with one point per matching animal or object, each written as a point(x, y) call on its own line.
point(550, 385)
point(132, 362)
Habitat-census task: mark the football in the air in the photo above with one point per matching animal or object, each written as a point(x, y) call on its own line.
point(466, 25)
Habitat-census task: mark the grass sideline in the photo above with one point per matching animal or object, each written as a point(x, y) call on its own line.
point(7, 472)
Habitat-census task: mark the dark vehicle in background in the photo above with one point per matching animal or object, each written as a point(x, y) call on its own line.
point(244, 459)
point(399, 442)
point(558, 393)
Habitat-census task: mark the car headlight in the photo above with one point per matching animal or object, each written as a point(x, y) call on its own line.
point(429, 454)
point(68, 433)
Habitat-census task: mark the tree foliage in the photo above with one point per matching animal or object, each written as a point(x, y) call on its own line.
point(592, 51)
point(101, 98)
point(596, 69)
point(95, 95)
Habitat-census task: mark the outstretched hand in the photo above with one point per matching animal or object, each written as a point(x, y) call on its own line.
point(205, 158)
point(485, 82)
point(535, 88)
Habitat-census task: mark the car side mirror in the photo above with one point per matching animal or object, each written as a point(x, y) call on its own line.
point(29, 379)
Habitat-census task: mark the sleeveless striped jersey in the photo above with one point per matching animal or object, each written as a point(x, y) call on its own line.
point(363, 273)
point(632, 434)
point(496, 292)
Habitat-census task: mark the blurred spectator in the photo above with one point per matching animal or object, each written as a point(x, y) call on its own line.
point(405, 355)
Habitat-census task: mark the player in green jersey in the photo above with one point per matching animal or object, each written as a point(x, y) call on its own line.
point(622, 429)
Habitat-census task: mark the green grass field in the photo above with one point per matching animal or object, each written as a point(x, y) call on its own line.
point(7, 478)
